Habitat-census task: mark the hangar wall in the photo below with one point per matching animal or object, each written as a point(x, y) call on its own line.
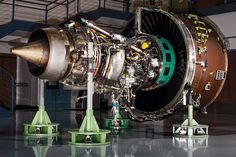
point(227, 26)
point(7, 69)
point(225, 103)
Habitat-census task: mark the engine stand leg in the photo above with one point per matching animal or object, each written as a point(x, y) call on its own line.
point(41, 125)
point(189, 127)
point(89, 133)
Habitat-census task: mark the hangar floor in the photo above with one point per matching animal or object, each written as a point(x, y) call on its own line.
point(141, 140)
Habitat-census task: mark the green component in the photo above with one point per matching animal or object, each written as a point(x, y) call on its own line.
point(123, 123)
point(89, 133)
point(190, 128)
point(41, 125)
point(169, 61)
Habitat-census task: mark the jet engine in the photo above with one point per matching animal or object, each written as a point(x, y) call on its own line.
point(146, 67)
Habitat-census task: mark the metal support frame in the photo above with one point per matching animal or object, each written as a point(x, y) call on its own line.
point(190, 127)
point(99, 4)
point(13, 9)
point(41, 125)
point(40, 5)
point(89, 133)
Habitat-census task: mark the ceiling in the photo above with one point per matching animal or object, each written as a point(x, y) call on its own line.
point(18, 18)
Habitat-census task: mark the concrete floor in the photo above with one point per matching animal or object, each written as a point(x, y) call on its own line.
point(142, 140)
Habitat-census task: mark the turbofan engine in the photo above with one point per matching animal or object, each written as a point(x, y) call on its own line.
point(146, 67)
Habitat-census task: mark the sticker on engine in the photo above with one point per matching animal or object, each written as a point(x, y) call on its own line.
point(220, 75)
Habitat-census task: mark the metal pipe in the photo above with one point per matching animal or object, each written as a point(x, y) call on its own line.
point(190, 115)
point(82, 97)
point(90, 83)
point(89, 24)
point(41, 92)
point(190, 108)
point(136, 49)
point(184, 97)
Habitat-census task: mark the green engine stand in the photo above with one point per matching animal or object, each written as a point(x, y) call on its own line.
point(189, 128)
point(41, 125)
point(123, 123)
point(89, 133)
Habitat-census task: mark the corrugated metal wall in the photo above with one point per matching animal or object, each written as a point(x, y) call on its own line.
point(5, 13)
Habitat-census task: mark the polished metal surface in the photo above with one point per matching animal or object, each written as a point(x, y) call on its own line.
point(36, 52)
point(55, 67)
point(116, 65)
point(58, 48)
point(142, 140)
